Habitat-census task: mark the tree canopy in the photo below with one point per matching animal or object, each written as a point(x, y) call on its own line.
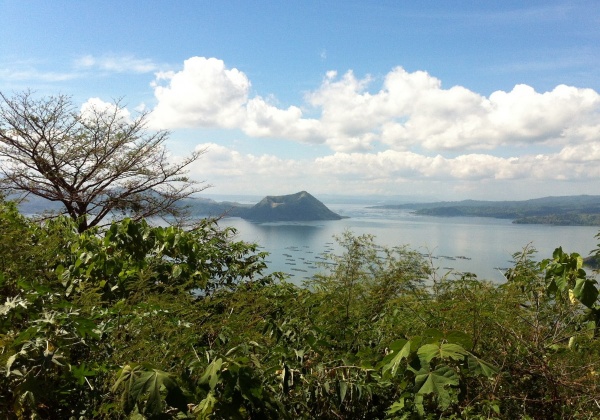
point(95, 162)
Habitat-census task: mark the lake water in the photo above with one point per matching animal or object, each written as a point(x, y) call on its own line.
point(488, 244)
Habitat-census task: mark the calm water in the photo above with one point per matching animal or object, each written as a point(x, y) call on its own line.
point(296, 247)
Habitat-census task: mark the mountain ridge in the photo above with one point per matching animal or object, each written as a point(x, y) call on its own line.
point(554, 210)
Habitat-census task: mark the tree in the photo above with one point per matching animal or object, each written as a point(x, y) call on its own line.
point(95, 162)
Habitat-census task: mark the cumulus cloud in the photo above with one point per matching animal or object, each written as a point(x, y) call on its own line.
point(413, 109)
point(409, 111)
point(203, 94)
point(266, 120)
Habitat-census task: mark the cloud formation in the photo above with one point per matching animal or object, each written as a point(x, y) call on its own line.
point(390, 171)
point(203, 94)
point(409, 111)
point(383, 138)
point(97, 105)
point(116, 63)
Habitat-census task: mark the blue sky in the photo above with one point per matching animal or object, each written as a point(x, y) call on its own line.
point(433, 99)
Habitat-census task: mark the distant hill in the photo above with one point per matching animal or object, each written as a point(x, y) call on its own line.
point(206, 207)
point(300, 207)
point(294, 207)
point(567, 210)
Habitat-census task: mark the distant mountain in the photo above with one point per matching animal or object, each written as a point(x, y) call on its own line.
point(294, 207)
point(567, 210)
point(300, 207)
point(206, 207)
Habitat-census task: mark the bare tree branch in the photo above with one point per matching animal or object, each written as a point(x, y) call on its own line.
point(96, 163)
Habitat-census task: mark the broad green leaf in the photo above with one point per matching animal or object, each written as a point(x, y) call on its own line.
point(397, 408)
point(561, 281)
point(435, 382)
point(138, 387)
point(433, 333)
point(579, 260)
point(124, 375)
point(428, 352)
point(460, 338)
point(206, 406)
point(481, 367)
point(81, 372)
point(586, 292)
point(396, 359)
point(212, 373)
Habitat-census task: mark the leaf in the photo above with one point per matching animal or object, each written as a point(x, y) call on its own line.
point(343, 390)
point(81, 372)
point(397, 408)
point(206, 406)
point(459, 337)
point(433, 333)
point(435, 382)
point(481, 367)
point(396, 358)
point(585, 291)
point(428, 352)
point(137, 389)
point(10, 362)
point(143, 388)
point(212, 373)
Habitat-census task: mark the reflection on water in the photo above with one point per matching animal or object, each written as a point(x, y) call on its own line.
point(483, 246)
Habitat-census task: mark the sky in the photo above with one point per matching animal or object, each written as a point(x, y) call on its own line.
point(429, 100)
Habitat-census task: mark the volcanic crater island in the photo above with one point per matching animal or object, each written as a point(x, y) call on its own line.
point(300, 207)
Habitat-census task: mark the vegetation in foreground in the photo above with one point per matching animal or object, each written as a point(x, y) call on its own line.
point(149, 322)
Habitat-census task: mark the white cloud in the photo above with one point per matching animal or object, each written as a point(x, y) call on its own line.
point(231, 171)
point(413, 109)
point(98, 105)
point(32, 74)
point(409, 133)
point(203, 94)
point(266, 120)
point(394, 172)
point(116, 63)
point(410, 111)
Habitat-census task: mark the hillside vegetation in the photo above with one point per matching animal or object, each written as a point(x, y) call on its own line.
point(142, 322)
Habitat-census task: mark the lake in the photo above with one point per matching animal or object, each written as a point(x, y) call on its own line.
point(483, 246)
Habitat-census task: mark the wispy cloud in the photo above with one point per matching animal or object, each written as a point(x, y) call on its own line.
point(116, 64)
point(82, 67)
point(27, 73)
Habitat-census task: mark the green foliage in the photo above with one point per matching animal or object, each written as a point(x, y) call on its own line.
point(148, 391)
point(131, 260)
point(137, 321)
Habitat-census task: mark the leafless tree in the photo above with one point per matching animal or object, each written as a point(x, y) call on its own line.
point(96, 162)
